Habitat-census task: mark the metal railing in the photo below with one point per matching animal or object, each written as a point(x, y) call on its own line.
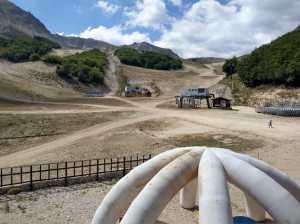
point(281, 109)
point(31, 174)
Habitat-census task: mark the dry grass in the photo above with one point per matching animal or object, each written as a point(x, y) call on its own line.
point(24, 130)
point(229, 141)
point(63, 104)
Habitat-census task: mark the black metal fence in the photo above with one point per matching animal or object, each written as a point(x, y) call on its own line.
point(65, 171)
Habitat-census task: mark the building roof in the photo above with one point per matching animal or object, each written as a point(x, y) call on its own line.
point(221, 98)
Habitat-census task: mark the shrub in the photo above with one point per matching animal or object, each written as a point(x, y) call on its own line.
point(34, 57)
point(14, 191)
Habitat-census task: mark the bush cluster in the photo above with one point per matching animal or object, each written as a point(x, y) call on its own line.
point(148, 59)
point(25, 49)
point(87, 67)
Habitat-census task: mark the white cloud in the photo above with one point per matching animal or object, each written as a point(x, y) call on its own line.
point(148, 13)
point(114, 35)
point(176, 2)
point(106, 7)
point(209, 28)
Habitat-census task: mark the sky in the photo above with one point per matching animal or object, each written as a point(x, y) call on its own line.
point(191, 28)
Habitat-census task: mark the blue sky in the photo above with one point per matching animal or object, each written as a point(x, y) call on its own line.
point(191, 28)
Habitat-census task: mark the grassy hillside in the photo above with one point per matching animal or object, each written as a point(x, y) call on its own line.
point(255, 96)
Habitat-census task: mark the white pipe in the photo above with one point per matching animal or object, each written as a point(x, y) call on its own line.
point(253, 209)
point(120, 196)
point(214, 203)
point(188, 194)
point(284, 180)
point(277, 201)
point(148, 205)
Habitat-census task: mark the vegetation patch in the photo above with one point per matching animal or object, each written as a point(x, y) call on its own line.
point(98, 101)
point(22, 131)
point(156, 89)
point(22, 208)
point(14, 191)
point(25, 49)
point(277, 63)
point(87, 67)
point(240, 93)
point(122, 80)
point(5, 208)
point(148, 59)
point(227, 141)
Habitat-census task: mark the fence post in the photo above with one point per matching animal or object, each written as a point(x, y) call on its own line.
point(104, 166)
point(66, 173)
point(111, 162)
point(74, 169)
point(49, 171)
point(11, 176)
point(130, 163)
point(57, 171)
point(97, 176)
point(40, 172)
point(21, 173)
point(1, 178)
point(90, 167)
point(31, 187)
point(117, 164)
point(124, 167)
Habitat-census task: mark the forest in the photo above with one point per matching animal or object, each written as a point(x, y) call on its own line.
point(148, 59)
point(277, 63)
point(23, 49)
point(88, 66)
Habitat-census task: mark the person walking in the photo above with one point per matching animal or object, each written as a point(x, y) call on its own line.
point(270, 124)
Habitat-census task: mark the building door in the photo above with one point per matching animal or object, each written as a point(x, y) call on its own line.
point(223, 103)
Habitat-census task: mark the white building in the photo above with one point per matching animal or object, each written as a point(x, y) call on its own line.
point(200, 92)
point(132, 91)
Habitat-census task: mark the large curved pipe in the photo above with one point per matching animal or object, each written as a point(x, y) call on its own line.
point(277, 201)
point(253, 209)
point(264, 186)
point(280, 177)
point(163, 187)
point(214, 202)
point(188, 194)
point(120, 196)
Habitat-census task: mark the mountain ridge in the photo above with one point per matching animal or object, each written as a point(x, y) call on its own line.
point(15, 22)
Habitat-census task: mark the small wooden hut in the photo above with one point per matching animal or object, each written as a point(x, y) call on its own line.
point(221, 102)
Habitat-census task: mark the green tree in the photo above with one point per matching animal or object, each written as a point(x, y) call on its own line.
point(276, 63)
point(229, 67)
point(34, 57)
point(148, 59)
point(88, 66)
